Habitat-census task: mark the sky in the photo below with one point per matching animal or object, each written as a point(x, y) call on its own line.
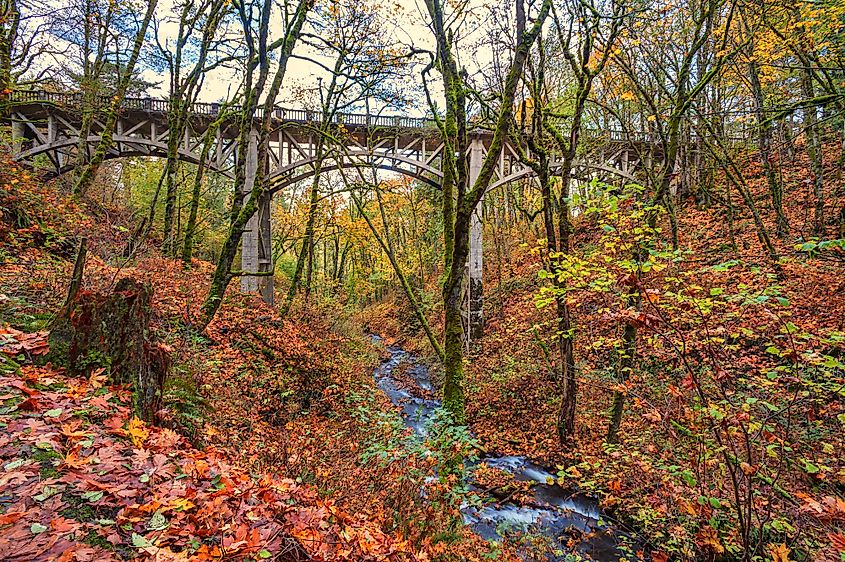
point(409, 27)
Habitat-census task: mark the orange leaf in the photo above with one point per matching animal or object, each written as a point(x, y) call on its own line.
point(779, 552)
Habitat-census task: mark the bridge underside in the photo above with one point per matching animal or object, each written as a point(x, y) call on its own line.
point(46, 130)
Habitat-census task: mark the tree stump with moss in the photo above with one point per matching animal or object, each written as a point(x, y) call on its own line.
point(110, 331)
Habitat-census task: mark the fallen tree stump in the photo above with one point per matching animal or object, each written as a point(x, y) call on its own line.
point(110, 331)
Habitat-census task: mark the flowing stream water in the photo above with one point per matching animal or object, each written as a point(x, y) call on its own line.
point(556, 513)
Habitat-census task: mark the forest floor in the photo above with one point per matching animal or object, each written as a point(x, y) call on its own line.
point(274, 436)
point(274, 442)
point(761, 368)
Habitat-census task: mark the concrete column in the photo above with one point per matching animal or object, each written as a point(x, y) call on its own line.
point(265, 249)
point(256, 241)
point(18, 135)
point(475, 265)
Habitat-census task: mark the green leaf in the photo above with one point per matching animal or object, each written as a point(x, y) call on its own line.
point(715, 503)
point(93, 496)
point(158, 522)
point(37, 528)
point(140, 541)
point(54, 413)
point(14, 464)
point(716, 413)
point(47, 492)
point(724, 266)
point(265, 554)
point(688, 477)
point(144, 478)
point(810, 468)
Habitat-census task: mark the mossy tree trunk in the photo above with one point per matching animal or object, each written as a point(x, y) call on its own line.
point(89, 172)
point(460, 195)
point(191, 227)
point(184, 91)
point(547, 138)
point(245, 205)
point(111, 332)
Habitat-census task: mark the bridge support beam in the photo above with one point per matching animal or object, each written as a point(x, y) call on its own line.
point(18, 134)
point(256, 241)
point(475, 262)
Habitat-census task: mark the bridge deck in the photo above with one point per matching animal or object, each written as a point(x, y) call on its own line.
point(70, 103)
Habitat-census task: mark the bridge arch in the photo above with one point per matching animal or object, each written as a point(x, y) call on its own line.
point(124, 147)
point(413, 168)
point(401, 164)
point(555, 171)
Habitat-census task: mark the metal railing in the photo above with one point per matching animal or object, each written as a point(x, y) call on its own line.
point(304, 116)
point(205, 109)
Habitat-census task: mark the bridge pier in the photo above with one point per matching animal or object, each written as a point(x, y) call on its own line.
point(18, 135)
point(475, 261)
point(256, 241)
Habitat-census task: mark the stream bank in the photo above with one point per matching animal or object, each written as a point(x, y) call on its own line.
point(569, 520)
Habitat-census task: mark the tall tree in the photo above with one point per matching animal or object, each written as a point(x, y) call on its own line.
point(187, 60)
point(254, 19)
point(460, 197)
point(353, 35)
point(662, 71)
point(89, 171)
point(23, 44)
point(551, 130)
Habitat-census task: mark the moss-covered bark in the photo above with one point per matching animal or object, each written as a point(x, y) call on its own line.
point(243, 208)
point(111, 332)
point(460, 197)
point(89, 172)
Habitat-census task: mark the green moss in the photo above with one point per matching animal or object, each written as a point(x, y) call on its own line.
point(38, 322)
point(93, 539)
point(182, 397)
point(45, 458)
point(79, 509)
point(8, 366)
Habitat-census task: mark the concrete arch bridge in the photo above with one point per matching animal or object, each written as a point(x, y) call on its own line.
point(46, 129)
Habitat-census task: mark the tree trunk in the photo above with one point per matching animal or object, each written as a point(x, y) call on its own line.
point(626, 367)
point(453, 364)
point(171, 168)
point(764, 145)
point(241, 213)
point(305, 248)
point(109, 331)
point(814, 151)
point(106, 141)
point(191, 226)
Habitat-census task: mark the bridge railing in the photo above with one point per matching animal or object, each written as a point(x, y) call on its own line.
point(304, 116)
point(206, 109)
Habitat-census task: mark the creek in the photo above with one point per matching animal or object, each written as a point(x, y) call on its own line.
point(563, 516)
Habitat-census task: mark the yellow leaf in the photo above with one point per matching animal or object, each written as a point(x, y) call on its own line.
point(708, 538)
point(181, 504)
point(138, 432)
